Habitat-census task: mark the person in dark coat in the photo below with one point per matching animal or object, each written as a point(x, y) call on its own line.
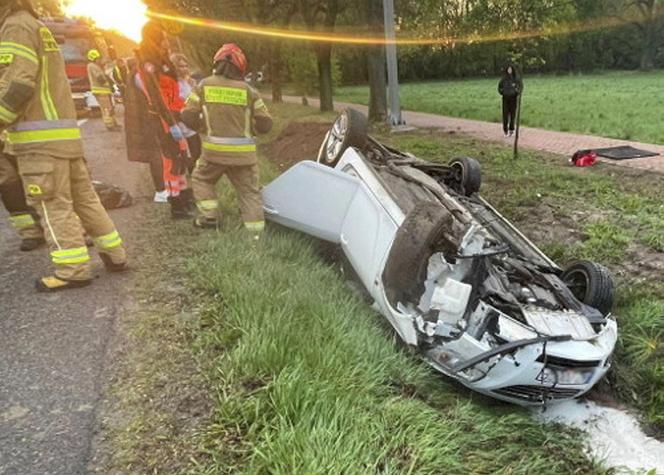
point(141, 133)
point(510, 87)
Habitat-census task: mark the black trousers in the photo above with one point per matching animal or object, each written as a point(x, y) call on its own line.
point(509, 112)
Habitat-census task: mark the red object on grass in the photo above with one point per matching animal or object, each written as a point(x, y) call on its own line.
point(584, 158)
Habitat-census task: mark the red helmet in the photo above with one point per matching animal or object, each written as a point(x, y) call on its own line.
point(234, 54)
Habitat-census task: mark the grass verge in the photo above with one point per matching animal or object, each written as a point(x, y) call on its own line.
point(622, 105)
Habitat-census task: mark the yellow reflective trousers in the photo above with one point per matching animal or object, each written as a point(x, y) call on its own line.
point(11, 190)
point(61, 192)
point(244, 179)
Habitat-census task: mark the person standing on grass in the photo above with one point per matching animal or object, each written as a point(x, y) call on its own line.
point(230, 113)
point(510, 87)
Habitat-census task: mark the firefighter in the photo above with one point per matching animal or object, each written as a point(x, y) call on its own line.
point(100, 87)
point(38, 113)
point(118, 71)
point(23, 219)
point(233, 113)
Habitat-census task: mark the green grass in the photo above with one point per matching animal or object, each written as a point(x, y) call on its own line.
point(623, 105)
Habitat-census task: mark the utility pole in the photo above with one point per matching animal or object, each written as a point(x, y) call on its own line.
point(394, 117)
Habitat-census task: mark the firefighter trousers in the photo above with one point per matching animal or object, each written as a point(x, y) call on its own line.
point(22, 218)
point(107, 110)
point(245, 181)
point(61, 191)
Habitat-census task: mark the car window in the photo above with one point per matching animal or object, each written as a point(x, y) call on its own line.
point(75, 49)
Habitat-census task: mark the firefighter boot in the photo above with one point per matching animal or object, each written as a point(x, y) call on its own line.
point(56, 284)
point(112, 266)
point(204, 222)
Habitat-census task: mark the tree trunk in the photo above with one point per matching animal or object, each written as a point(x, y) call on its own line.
point(275, 73)
point(377, 84)
point(324, 59)
point(649, 50)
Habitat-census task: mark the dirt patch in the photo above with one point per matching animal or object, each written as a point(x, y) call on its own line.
point(299, 141)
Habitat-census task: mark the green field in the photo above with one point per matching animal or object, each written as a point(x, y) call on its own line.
point(259, 359)
point(624, 105)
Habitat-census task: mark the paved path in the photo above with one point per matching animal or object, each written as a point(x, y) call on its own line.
point(561, 143)
point(54, 348)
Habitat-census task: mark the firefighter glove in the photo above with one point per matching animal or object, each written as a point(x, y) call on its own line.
point(176, 133)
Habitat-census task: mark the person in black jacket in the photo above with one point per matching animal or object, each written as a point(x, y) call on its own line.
point(510, 87)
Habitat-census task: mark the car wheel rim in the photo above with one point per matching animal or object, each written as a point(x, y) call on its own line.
point(577, 282)
point(459, 172)
point(336, 139)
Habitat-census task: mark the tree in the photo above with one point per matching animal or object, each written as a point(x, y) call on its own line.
point(651, 28)
point(48, 7)
point(321, 15)
point(201, 44)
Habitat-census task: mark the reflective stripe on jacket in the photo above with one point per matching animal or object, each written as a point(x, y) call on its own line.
point(36, 105)
point(98, 80)
point(229, 109)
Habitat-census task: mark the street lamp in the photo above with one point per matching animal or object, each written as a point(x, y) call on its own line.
point(394, 117)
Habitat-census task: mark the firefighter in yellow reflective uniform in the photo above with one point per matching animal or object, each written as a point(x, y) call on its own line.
point(231, 112)
point(38, 113)
point(23, 219)
point(100, 87)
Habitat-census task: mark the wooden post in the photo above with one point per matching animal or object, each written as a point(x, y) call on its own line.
point(518, 127)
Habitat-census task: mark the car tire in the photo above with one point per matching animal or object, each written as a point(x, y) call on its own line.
point(421, 233)
point(467, 178)
point(591, 284)
point(350, 129)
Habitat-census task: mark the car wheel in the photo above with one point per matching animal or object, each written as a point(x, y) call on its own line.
point(467, 175)
point(349, 130)
point(591, 284)
point(420, 235)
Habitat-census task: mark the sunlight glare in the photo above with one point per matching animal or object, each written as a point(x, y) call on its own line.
point(125, 16)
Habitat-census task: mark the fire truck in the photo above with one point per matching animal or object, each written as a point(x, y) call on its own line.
point(76, 38)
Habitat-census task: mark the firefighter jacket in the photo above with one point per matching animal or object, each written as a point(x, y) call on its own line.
point(99, 84)
point(36, 105)
point(232, 113)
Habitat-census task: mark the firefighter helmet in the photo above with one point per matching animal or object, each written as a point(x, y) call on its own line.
point(93, 55)
point(233, 54)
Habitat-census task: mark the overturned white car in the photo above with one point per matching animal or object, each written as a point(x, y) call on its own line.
point(456, 280)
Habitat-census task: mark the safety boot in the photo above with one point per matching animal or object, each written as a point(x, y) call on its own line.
point(56, 284)
point(206, 223)
point(30, 244)
point(112, 266)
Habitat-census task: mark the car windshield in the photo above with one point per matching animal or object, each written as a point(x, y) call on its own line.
point(75, 49)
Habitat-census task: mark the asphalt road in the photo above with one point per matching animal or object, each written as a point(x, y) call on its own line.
point(54, 349)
